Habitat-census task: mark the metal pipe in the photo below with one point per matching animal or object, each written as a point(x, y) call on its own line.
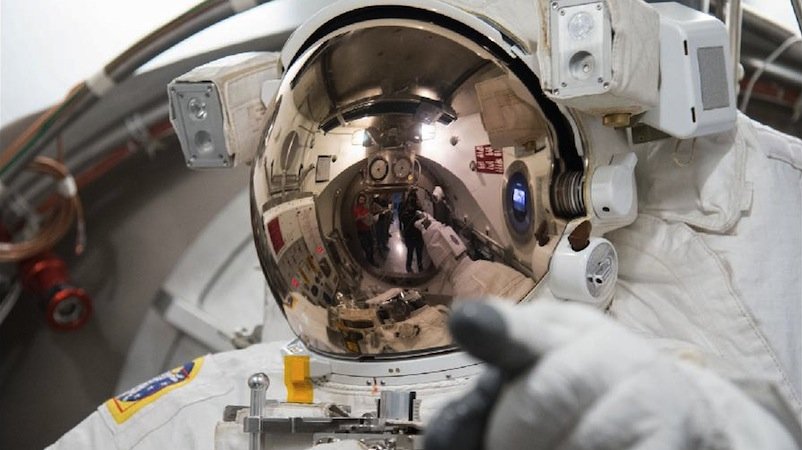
point(734, 23)
point(756, 75)
point(258, 383)
point(191, 22)
point(797, 5)
point(89, 151)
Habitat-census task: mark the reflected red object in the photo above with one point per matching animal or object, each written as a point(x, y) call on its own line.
point(66, 306)
point(276, 238)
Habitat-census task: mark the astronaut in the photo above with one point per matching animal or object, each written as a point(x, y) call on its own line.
point(469, 278)
point(679, 328)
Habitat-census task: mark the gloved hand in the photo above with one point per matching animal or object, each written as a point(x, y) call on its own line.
point(564, 376)
point(423, 220)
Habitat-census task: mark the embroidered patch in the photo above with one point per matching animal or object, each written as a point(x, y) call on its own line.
point(125, 405)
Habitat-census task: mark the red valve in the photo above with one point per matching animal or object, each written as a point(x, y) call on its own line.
point(66, 306)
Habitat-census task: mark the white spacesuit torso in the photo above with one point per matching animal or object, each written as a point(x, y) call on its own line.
point(678, 285)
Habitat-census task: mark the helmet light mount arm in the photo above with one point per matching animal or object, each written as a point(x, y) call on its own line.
point(219, 109)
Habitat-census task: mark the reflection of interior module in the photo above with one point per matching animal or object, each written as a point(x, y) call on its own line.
point(391, 167)
point(382, 322)
point(302, 258)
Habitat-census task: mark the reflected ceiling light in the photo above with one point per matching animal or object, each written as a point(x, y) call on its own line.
point(427, 131)
point(360, 138)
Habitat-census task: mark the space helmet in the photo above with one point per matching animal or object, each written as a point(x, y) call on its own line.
point(379, 107)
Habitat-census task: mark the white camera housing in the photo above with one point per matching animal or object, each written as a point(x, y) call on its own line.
point(697, 96)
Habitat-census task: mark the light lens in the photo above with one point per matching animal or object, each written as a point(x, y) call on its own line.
point(580, 25)
point(197, 108)
point(203, 142)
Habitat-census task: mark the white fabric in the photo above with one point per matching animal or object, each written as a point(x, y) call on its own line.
point(700, 182)
point(742, 192)
point(635, 61)
point(635, 48)
point(516, 17)
point(764, 250)
point(184, 417)
point(468, 278)
point(673, 288)
point(598, 386)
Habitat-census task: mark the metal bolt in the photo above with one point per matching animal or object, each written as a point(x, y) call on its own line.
point(554, 5)
point(258, 383)
point(564, 84)
point(556, 92)
point(562, 12)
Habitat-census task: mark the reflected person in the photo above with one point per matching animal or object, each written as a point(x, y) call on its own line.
point(413, 239)
point(363, 220)
point(380, 208)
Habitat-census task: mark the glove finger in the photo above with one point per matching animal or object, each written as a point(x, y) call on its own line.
point(461, 423)
point(512, 337)
point(542, 406)
point(673, 405)
point(651, 406)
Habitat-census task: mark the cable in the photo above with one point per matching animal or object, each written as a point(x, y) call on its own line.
point(33, 140)
point(797, 5)
point(793, 39)
point(66, 209)
point(9, 300)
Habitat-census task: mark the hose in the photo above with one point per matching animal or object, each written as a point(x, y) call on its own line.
point(66, 209)
point(51, 123)
point(797, 5)
point(793, 39)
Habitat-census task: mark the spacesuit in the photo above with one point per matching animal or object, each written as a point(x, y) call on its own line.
point(697, 346)
point(469, 278)
point(679, 292)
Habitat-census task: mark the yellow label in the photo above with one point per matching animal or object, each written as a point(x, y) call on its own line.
point(125, 405)
point(297, 379)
